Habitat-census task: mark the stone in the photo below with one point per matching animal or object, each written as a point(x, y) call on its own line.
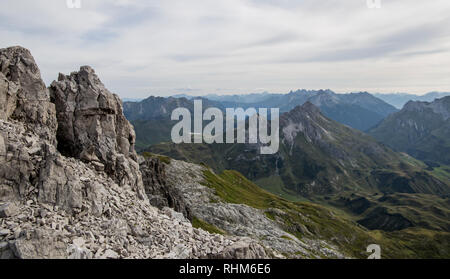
point(78, 253)
point(43, 212)
point(8, 210)
point(110, 254)
point(241, 250)
point(5, 251)
point(79, 242)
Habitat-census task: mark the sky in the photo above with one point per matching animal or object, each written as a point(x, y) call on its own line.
point(144, 47)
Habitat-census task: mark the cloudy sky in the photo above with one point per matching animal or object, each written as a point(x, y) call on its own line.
point(148, 47)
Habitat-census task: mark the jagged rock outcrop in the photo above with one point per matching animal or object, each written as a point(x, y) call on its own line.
point(23, 94)
point(88, 200)
point(92, 127)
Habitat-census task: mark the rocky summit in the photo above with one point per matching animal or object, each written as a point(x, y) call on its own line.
point(70, 182)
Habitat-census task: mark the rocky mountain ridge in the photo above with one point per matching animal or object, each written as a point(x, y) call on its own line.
point(421, 129)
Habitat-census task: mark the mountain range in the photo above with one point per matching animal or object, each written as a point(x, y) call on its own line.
point(358, 110)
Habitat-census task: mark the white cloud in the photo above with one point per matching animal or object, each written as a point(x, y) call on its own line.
point(157, 47)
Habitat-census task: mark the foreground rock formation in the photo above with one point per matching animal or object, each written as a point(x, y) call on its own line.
point(92, 127)
point(70, 183)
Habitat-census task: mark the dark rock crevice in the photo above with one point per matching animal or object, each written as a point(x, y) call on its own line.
point(158, 191)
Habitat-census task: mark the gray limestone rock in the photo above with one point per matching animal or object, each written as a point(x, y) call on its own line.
point(92, 127)
point(25, 95)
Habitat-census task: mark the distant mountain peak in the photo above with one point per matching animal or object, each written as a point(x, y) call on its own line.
point(307, 108)
point(420, 129)
point(439, 106)
point(310, 107)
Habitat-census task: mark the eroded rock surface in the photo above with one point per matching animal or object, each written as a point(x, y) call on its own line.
point(158, 191)
point(92, 127)
point(23, 94)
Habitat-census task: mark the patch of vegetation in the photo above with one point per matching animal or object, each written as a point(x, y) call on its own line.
point(286, 237)
point(442, 172)
point(200, 224)
point(162, 158)
point(151, 132)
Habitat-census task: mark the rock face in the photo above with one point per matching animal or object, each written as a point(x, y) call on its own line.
point(159, 193)
point(83, 198)
point(23, 94)
point(92, 127)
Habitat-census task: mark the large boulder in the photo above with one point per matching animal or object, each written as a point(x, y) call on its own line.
point(23, 94)
point(92, 127)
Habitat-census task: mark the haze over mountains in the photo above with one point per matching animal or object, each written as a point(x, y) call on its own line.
point(398, 100)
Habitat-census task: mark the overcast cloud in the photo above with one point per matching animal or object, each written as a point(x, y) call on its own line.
point(166, 47)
